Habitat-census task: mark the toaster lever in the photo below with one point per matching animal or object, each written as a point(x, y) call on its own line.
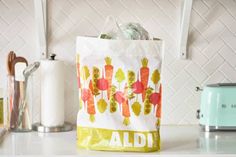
point(198, 114)
point(198, 89)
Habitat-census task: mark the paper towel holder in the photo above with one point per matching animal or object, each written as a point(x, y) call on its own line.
point(38, 126)
point(52, 56)
point(64, 128)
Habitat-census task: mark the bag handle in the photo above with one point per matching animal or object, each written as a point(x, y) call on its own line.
point(111, 21)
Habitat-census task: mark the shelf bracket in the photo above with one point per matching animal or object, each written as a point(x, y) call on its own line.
point(184, 28)
point(40, 7)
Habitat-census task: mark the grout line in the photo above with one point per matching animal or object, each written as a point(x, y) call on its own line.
point(205, 4)
point(5, 4)
point(128, 10)
point(91, 6)
point(196, 29)
point(107, 4)
point(172, 4)
point(202, 18)
point(162, 10)
point(228, 11)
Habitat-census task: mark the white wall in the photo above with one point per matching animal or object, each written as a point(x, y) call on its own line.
point(212, 43)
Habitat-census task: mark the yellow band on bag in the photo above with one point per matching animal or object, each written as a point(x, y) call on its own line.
point(118, 140)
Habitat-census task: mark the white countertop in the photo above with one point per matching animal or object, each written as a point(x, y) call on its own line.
point(176, 140)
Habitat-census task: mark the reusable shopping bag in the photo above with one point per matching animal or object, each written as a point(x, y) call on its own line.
point(119, 84)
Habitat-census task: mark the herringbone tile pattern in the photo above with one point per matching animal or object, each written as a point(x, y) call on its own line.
point(211, 45)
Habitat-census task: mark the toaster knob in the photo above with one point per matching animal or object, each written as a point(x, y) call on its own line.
point(198, 114)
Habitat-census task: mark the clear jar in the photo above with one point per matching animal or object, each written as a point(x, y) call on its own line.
point(19, 104)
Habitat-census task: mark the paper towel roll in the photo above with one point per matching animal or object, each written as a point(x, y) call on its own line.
point(52, 93)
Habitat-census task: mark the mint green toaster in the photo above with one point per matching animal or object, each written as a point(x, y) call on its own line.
point(218, 107)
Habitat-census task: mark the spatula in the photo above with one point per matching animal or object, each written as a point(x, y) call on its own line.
point(18, 66)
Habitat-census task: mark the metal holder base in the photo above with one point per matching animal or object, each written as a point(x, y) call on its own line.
point(40, 128)
point(20, 130)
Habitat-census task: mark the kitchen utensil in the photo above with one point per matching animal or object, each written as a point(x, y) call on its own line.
point(18, 64)
point(218, 107)
point(30, 69)
point(11, 57)
point(18, 60)
point(19, 69)
point(27, 72)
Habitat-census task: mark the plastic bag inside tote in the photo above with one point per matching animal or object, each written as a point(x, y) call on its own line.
point(126, 31)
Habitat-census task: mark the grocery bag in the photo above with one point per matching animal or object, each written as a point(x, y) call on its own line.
point(120, 92)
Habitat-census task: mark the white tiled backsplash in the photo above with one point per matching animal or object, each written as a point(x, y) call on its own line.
point(212, 43)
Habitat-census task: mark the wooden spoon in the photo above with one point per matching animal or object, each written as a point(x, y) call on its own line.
point(10, 58)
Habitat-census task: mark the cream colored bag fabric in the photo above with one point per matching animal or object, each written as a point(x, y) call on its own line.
point(120, 94)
